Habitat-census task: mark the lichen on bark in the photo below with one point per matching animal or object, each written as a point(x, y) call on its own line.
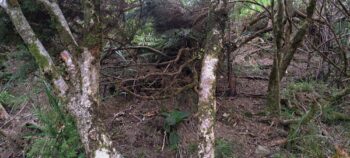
point(207, 99)
point(207, 104)
point(39, 58)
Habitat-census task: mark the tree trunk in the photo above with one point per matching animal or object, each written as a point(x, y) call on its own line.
point(207, 85)
point(83, 103)
point(34, 45)
point(273, 96)
point(207, 105)
point(281, 63)
point(80, 93)
point(62, 24)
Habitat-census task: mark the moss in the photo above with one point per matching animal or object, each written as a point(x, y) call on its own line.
point(39, 58)
point(92, 40)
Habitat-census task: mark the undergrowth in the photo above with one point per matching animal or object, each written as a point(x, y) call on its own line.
point(223, 149)
point(309, 107)
point(57, 136)
point(22, 61)
point(10, 100)
point(172, 119)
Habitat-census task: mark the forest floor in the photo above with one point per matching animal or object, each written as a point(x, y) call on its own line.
point(243, 127)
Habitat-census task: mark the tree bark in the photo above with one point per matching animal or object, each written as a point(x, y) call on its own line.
point(62, 26)
point(34, 45)
point(80, 93)
point(273, 96)
point(207, 105)
point(282, 61)
point(207, 99)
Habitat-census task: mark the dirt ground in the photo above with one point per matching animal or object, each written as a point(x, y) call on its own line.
point(241, 120)
point(136, 125)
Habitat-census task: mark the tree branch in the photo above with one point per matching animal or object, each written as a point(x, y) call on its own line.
point(63, 27)
point(35, 46)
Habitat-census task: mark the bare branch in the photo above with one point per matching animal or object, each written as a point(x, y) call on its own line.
point(63, 27)
point(35, 46)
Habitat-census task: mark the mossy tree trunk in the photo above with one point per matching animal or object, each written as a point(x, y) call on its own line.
point(207, 99)
point(273, 98)
point(80, 91)
point(284, 50)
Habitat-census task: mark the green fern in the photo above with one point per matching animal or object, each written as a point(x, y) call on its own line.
point(58, 136)
point(223, 149)
point(10, 100)
point(172, 119)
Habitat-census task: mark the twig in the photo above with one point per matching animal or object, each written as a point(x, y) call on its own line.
point(164, 140)
point(13, 117)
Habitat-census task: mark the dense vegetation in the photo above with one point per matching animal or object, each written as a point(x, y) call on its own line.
point(282, 80)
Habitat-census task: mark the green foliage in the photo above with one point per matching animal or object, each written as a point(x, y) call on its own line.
point(308, 87)
point(7, 29)
point(146, 36)
point(247, 9)
point(296, 95)
point(223, 149)
point(58, 136)
point(34, 14)
point(310, 143)
point(313, 87)
point(305, 138)
point(10, 100)
point(172, 119)
point(29, 65)
point(342, 27)
point(332, 114)
point(299, 87)
point(25, 65)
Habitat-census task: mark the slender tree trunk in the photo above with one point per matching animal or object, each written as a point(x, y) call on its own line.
point(80, 93)
point(207, 99)
point(207, 105)
point(282, 61)
point(34, 45)
point(83, 103)
point(273, 96)
point(62, 25)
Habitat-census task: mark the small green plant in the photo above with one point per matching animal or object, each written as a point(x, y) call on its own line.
point(29, 65)
point(309, 143)
point(58, 136)
point(172, 119)
point(223, 149)
point(10, 100)
point(298, 87)
point(308, 87)
point(147, 37)
point(25, 65)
